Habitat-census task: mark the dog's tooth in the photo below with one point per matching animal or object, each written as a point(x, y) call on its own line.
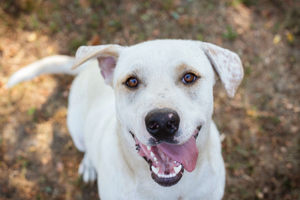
point(177, 169)
point(148, 147)
point(152, 154)
point(155, 159)
point(156, 162)
point(160, 175)
point(155, 169)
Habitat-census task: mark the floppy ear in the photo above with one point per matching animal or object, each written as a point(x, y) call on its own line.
point(107, 56)
point(228, 66)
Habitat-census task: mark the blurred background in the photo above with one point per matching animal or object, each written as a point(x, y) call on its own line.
point(260, 125)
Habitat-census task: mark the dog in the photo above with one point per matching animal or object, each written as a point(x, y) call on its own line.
point(150, 135)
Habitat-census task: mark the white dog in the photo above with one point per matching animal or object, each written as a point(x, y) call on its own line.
point(159, 108)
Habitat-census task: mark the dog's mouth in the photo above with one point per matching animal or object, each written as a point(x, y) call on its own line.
point(168, 161)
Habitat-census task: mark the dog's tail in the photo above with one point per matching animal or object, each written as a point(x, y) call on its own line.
point(50, 65)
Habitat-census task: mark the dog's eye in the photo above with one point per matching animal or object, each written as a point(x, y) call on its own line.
point(189, 78)
point(132, 82)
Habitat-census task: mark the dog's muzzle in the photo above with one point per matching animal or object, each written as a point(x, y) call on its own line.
point(168, 161)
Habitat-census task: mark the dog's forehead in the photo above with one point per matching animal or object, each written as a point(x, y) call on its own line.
point(161, 55)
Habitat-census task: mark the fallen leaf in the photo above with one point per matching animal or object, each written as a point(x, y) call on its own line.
point(290, 37)
point(259, 194)
point(59, 166)
point(156, 32)
point(50, 49)
point(276, 39)
point(84, 4)
point(32, 37)
point(252, 113)
point(95, 40)
point(32, 148)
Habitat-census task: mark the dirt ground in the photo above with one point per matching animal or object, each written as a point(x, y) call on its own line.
point(261, 149)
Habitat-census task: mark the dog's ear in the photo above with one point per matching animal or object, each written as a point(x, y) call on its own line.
point(107, 56)
point(228, 66)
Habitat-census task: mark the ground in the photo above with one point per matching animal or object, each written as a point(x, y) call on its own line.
point(261, 148)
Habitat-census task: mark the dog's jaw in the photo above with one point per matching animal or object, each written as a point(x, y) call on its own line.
point(165, 170)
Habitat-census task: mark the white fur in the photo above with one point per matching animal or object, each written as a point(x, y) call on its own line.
point(51, 65)
point(100, 117)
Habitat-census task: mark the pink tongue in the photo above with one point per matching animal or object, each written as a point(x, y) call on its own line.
point(186, 153)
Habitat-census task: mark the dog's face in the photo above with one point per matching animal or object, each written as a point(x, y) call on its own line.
point(164, 97)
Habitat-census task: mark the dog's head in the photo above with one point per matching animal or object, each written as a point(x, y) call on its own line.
point(164, 97)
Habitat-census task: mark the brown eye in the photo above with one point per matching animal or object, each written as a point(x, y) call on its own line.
point(189, 78)
point(132, 82)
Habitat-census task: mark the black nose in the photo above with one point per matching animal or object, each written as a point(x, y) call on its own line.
point(162, 123)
